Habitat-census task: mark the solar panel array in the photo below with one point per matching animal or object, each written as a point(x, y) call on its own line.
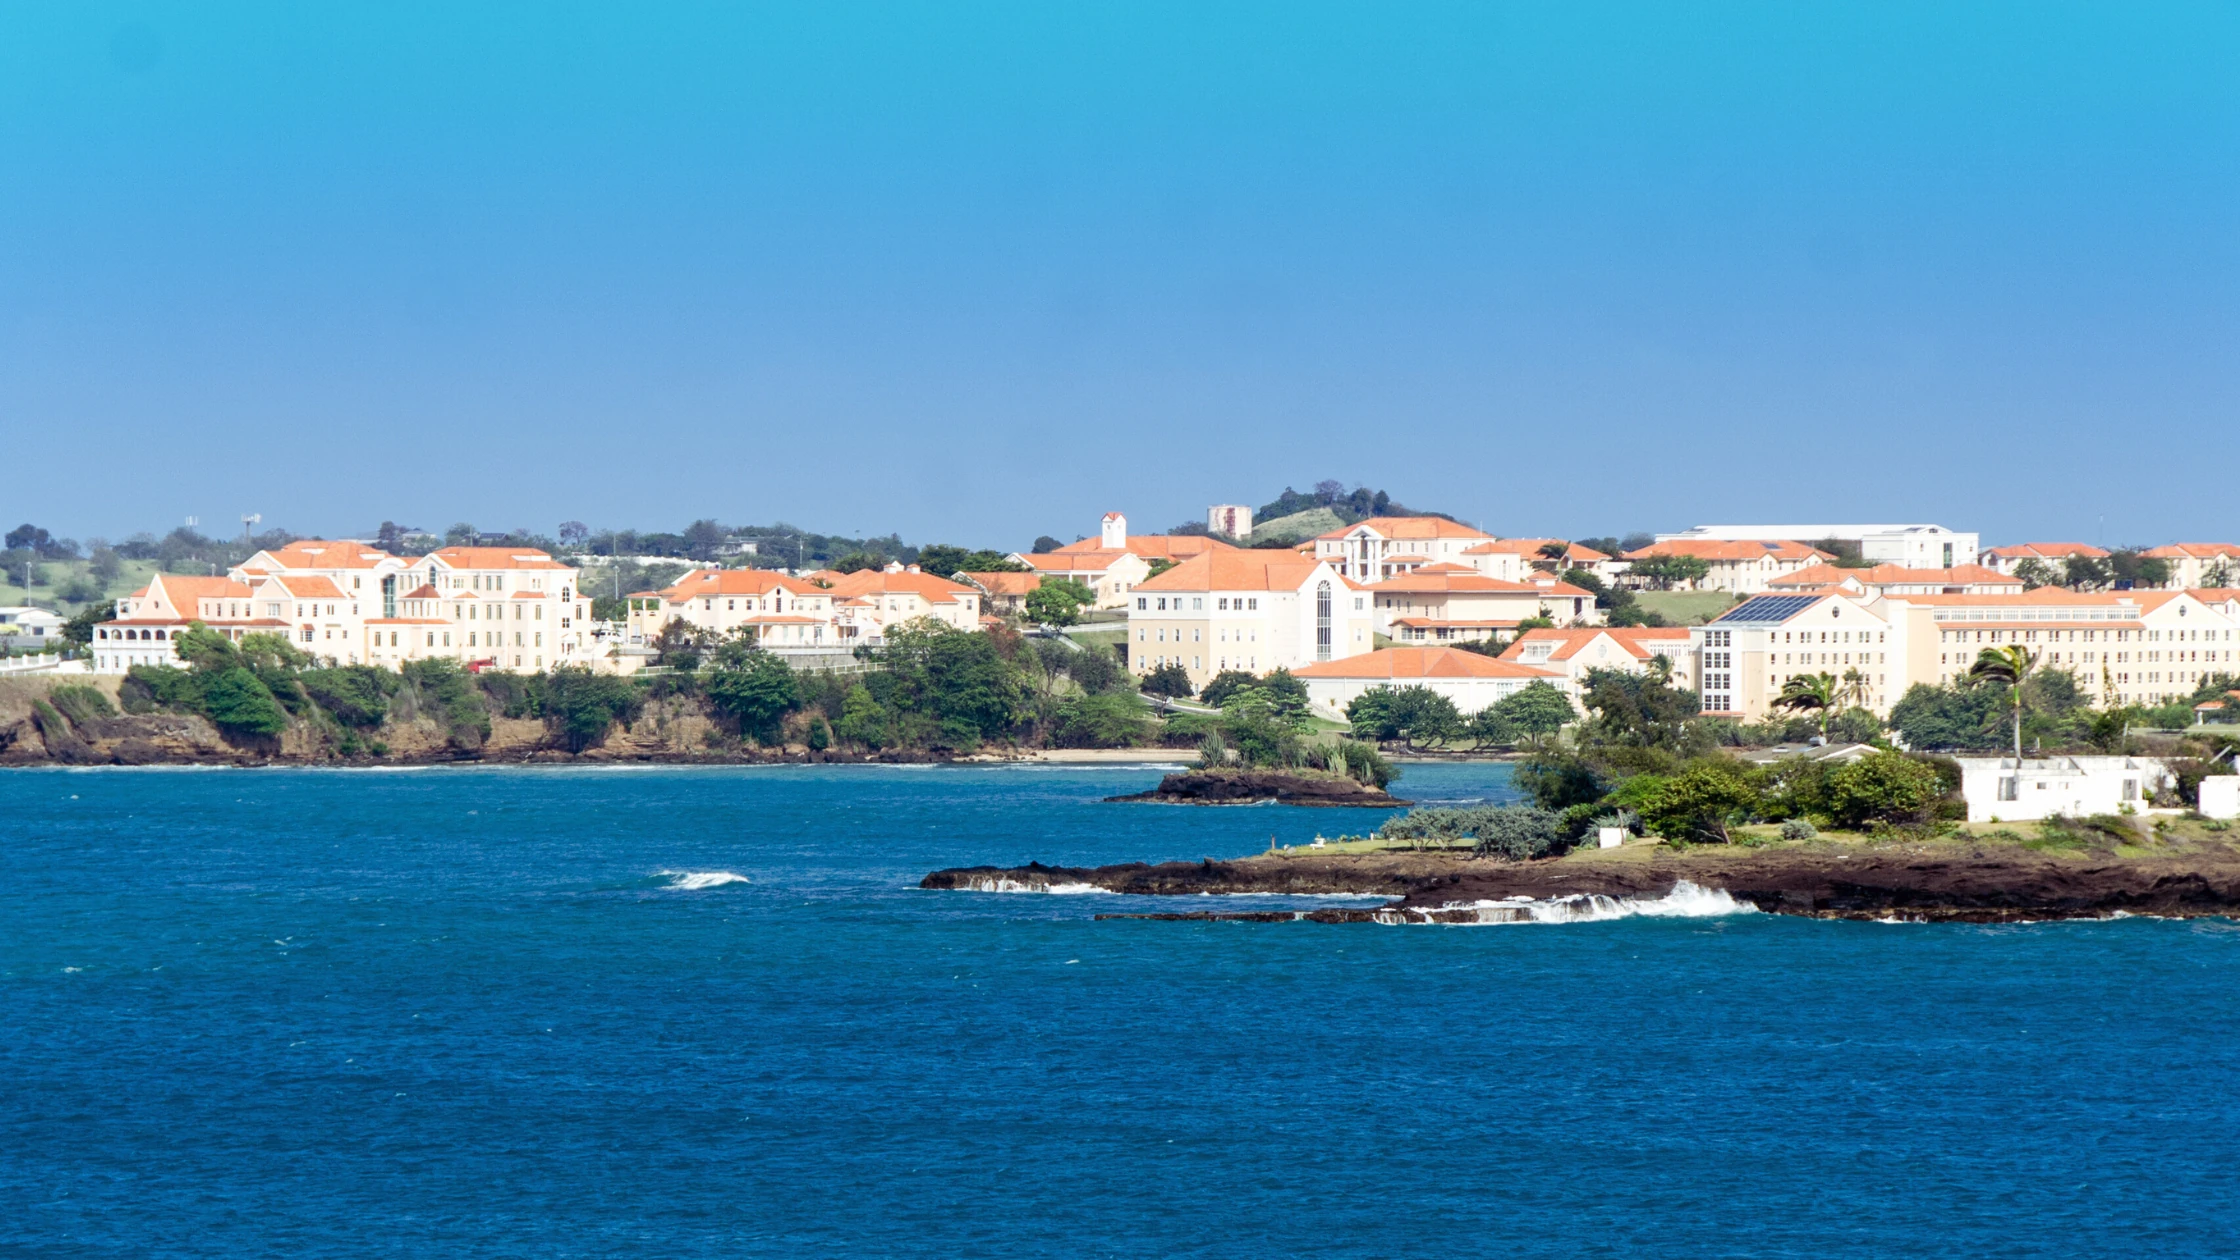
point(1769, 608)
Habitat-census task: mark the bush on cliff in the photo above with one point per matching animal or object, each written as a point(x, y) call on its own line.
point(80, 703)
point(753, 688)
point(1511, 832)
point(355, 695)
point(582, 706)
point(447, 694)
point(1111, 720)
point(238, 703)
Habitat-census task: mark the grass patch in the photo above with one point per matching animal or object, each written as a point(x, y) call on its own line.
point(1685, 608)
point(49, 578)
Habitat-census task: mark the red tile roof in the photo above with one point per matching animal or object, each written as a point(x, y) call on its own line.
point(1421, 662)
point(1236, 570)
point(1407, 528)
point(495, 558)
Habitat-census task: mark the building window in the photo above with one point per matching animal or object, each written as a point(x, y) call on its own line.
point(1322, 621)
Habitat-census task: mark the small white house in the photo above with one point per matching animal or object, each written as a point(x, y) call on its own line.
point(26, 627)
point(1998, 790)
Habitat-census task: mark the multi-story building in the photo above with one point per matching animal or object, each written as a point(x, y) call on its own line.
point(1572, 653)
point(781, 611)
point(1003, 593)
point(867, 603)
point(2122, 647)
point(1387, 546)
point(1914, 546)
point(1472, 680)
point(1894, 579)
point(1743, 568)
point(2052, 554)
point(1249, 610)
point(2198, 564)
point(1115, 561)
point(1513, 559)
point(1744, 658)
point(1452, 603)
point(509, 608)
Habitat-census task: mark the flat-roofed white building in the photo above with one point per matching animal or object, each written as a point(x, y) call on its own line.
point(2000, 789)
point(1914, 546)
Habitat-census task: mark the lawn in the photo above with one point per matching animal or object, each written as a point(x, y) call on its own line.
point(1685, 608)
point(51, 577)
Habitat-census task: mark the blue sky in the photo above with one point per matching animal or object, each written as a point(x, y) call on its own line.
point(976, 272)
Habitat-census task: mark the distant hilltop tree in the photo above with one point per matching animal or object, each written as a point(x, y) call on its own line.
point(1359, 503)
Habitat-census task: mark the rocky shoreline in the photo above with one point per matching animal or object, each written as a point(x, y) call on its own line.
point(1926, 882)
point(1261, 787)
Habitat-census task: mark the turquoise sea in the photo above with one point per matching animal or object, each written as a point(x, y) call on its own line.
point(570, 1012)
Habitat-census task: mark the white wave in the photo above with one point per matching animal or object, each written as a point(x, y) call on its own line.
point(1685, 901)
point(693, 881)
point(1005, 884)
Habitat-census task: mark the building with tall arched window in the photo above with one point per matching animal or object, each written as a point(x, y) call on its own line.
point(1254, 611)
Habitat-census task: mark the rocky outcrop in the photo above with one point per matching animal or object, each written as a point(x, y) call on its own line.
point(1256, 787)
point(1922, 882)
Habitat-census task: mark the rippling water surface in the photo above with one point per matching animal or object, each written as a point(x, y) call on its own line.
point(678, 1013)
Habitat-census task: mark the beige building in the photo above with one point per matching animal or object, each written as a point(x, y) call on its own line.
point(1450, 603)
point(2199, 564)
point(2123, 647)
point(866, 604)
point(1572, 653)
point(1743, 567)
point(1387, 546)
point(2052, 554)
point(1515, 559)
point(1249, 610)
point(1746, 656)
point(1115, 562)
point(781, 611)
point(1471, 680)
point(503, 608)
point(1892, 579)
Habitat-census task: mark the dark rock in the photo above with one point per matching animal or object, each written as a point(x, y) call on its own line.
point(1256, 787)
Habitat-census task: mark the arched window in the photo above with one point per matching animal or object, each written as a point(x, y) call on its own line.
point(1322, 622)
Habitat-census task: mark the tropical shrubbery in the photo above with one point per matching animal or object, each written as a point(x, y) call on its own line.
point(1514, 832)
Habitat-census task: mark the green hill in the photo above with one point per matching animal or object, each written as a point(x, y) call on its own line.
point(1299, 526)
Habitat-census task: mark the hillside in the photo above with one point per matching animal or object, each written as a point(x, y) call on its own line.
point(1299, 526)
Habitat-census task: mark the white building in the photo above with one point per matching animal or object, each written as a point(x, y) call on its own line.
point(1999, 789)
point(1230, 520)
point(782, 611)
point(1115, 561)
point(1249, 610)
point(1914, 546)
point(23, 626)
point(1452, 603)
point(1573, 652)
point(1473, 681)
point(1388, 546)
point(2199, 564)
point(1746, 656)
point(2122, 647)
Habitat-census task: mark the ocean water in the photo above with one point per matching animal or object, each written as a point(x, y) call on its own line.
point(567, 1012)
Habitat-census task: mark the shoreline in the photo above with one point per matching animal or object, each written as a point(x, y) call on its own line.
point(1925, 881)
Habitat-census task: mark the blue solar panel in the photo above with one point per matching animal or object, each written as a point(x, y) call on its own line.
point(1769, 608)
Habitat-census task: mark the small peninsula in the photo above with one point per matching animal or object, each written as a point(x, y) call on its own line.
point(1257, 787)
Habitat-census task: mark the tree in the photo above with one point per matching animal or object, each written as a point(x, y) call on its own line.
point(1699, 803)
point(1665, 572)
point(1044, 544)
point(1168, 680)
point(460, 534)
point(572, 533)
point(702, 537)
point(2085, 573)
point(2012, 666)
point(2035, 573)
point(943, 560)
point(1287, 697)
point(1961, 718)
point(1158, 565)
point(753, 688)
point(79, 629)
point(1094, 669)
point(1884, 787)
point(238, 704)
point(2133, 565)
point(1225, 684)
point(1637, 710)
point(1416, 715)
point(584, 705)
point(1110, 720)
point(856, 562)
point(1817, 694)
point(862, 720)
point(1488, 728)
point(1058, 601)
point(1537, 708)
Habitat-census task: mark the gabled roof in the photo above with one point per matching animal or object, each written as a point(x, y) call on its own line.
point(1149, 546)
point(1238, 570)
point(708, 583)
point(495, 558)
point(2194, 551)
point(185, 592)
point(1008, 584)
point(1403, 663)
point(1406, 528)
point(924, 585)
point(320, 553)
point(1635, 641)
point(1714, 549)
point(1094, 560)
point(2045, 551)
point(308, 586)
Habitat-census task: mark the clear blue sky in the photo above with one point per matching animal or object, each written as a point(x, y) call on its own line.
point(975, 273)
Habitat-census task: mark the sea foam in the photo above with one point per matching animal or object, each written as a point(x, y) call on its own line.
point(1685, 901)
point(693, 881)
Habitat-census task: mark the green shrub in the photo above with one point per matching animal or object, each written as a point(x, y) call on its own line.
point(1882, 787)
point(239, 704)
point(81, 703)
point(448, 694)
point(754, 689)
point(1511, 832)
point(354, 695)
point(1798, 829)
point(1110, 720)
point(582, 705)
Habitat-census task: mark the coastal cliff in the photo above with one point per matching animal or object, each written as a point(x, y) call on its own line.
point(1929, 881)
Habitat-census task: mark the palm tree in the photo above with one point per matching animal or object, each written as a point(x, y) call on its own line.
point(2013, 666)
point(1807, 693)
point(1854, 688)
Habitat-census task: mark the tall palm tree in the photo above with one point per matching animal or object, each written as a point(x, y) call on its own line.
point(1854, 688)
point(2012, 665)
point(1809, 693)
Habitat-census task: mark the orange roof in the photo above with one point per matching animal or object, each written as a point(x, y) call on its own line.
point(706, 583)
point(2194, 551)
point(308, 586)
point(1005, 583)
point(1410, 528)
point(1530, 547)
point(184, 591)
point(1723, 550)
point(1236, 570)
point(319, 553)
point(879, 581)
point(1459, 580)
point(2045, 551)
point(1421, 662)
point(1631, 639)
point(495, 558)
point(1406, 560)
point(1898, 575)
point(1094, 560)
point(1149, 546)
point(423, 591)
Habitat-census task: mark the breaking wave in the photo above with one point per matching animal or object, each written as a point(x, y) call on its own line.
point(693, 881)
point(1001, 884)
point(1685, 901)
